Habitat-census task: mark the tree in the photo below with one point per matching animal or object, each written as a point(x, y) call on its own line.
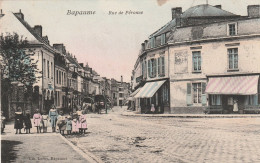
point(18, 66)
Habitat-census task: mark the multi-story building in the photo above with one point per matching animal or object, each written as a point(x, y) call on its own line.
point(210, 62)
point(44, 54)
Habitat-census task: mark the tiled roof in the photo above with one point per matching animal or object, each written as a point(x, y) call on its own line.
point(165, 28)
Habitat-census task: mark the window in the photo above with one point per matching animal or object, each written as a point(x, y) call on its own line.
point(43, 71)
point(48, 68)
point(51, 71)
point(196, 60)
point(121, 95)
point(161, 66)
point(57, 77)
point(120, 89)
point(233, 58)
point(216, 100)
point(152, 42)
point(163, 39)
point(152, 68)
point(232, 29)
point(196, 92)
point(252, 100)
point(144, 68)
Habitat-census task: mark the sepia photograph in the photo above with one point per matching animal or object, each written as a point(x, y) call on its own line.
point(138, 81)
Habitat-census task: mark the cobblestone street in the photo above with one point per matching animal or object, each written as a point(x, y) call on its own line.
point(116, 138)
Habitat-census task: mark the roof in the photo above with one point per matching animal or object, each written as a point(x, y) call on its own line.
point(167, 27)
point(206, 10)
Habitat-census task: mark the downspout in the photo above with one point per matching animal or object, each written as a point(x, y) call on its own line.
point(43, 71)
point(169, 95)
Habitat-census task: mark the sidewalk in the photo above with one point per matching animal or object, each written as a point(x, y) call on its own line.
point(43, 147)
point(135, 114)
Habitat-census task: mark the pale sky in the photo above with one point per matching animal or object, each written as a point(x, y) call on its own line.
point(108, 43)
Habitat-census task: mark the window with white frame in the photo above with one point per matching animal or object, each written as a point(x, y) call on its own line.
point(196, 92)
point(196, 61)
point(233, 58)
point(232, 29)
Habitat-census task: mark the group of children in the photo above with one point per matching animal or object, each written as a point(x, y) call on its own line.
point(77, 124)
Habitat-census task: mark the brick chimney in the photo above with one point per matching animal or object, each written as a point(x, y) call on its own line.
point(1, 13)
point(60, 48)
point(20, 14)
point(45, 38)
point(38, 30)
point(121, 79)
point(176, 14)
point(143, 46)
point(218, 6)
point(253, 11)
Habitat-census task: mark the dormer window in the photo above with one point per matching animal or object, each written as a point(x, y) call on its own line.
point(152, 42)
point(163, 39)
point(232, 29)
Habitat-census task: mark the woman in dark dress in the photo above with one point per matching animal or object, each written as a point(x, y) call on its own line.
point(18, 120)
point(27, 122)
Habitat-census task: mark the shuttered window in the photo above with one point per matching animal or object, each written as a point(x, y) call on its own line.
point(163, 39)
point(196, 94)
point(189, 97)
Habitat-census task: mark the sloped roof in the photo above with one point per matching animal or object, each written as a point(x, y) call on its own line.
point(167, 27)
point(206, 10)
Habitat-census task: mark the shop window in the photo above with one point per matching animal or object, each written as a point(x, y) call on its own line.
point(252, 100)
point(216, 100)
point(233, 58)
point(196, 60)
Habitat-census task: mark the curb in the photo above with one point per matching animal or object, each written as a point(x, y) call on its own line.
point(192, 116)
point(86, 155)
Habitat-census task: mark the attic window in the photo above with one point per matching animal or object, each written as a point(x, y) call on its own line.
point(232, 29)
point(152, 42)
point(163, 39)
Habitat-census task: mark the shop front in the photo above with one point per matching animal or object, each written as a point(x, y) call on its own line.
point(155, 94)
point(233, 94)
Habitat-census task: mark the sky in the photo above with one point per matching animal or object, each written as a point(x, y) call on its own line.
point(110, 44)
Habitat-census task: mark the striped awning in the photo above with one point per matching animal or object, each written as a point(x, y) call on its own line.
point(237, 85)
point(149, 89)
point(135, 92)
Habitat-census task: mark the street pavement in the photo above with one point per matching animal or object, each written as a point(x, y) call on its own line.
point(113, 137)
point(118, 137)
point(42, 148)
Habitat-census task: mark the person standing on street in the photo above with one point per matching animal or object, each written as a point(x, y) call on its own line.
point(152, 109)
point(61, 123)
point(53, 114)
point(45, 119)
point(2, 122)
point(27, 122)
point(68, 125)
point(18, 120)
point(37, 120)
point(83, 120)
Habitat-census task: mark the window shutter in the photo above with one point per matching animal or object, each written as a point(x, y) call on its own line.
point(159, 66)
point(163, 66)
point(203, 95)
point(149, 68)
point(189, 96)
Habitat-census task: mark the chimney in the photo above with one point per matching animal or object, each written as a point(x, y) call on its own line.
point(145, 44)
point(81, 64)
point(253, 11)
point(45, 38)
point(60, 48)
point(121, 79)
point(218, 6)
point(38, 30)
point(20, 14)
point(176, 14)
point(1, 12)
point(143, 47)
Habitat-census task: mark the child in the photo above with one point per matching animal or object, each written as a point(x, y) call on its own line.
point(45, 119)
point(37, 120)
point(18, 120)
point(152, 108)
point(83, 121)
point(68, 125)
point(75, 130)
point(61, 122)
point(2, 122)
point(27, 122)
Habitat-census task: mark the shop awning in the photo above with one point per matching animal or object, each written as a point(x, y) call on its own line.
point(149, 89)
point(240, 85)
point(135, 92)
